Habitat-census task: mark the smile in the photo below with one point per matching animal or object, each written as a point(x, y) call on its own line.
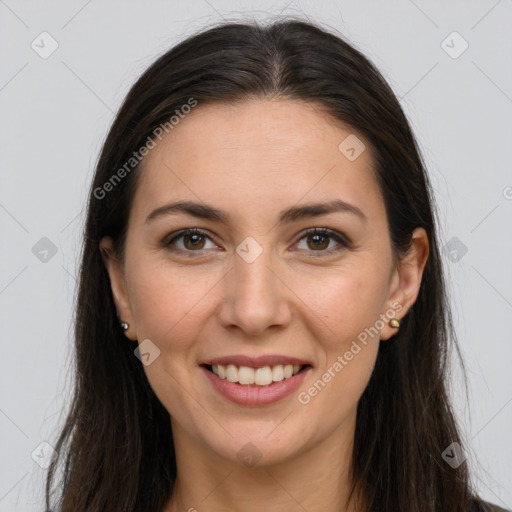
point(255, 386)
point(263, 376)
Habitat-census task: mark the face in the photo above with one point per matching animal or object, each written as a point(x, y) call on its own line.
point(255, 286)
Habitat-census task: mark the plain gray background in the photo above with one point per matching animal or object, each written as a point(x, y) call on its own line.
point(56, 111)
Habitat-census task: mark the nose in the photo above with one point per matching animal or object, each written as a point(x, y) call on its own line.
point(256, 297)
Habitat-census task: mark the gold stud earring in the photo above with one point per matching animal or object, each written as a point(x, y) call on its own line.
point(394, 322)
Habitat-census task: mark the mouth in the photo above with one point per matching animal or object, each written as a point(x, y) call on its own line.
point(264, 383)
point(256, 376)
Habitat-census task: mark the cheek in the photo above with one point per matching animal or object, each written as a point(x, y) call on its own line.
point(342, 303)
point(167, 303)
point(349, 305)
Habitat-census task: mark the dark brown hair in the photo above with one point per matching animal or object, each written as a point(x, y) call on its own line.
point(116, 447)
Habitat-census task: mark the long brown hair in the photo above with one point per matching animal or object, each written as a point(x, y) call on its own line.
point(116, 447)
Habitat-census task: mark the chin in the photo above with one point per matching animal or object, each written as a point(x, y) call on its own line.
point(259, 445)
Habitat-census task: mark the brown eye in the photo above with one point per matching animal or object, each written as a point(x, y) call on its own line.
point(188, 240)
point(193, 241)
point(318, 241)
point(324, 241)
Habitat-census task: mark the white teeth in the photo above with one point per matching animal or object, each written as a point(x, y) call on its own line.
point(259, 376)
point(263, 376)
point(231, 373)
point(245, 375)
point(277, 373)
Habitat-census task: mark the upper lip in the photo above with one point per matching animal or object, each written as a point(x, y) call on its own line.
point(256, 362)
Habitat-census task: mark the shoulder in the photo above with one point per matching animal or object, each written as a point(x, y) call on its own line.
point(485, 506)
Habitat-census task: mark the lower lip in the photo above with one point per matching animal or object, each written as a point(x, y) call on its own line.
point(253, 394)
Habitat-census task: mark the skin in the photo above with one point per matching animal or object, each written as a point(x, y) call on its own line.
point(253, 159)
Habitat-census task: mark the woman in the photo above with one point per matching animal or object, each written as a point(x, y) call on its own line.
point(261, 320)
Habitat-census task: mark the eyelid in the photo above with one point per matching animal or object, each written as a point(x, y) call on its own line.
point(341, 239)
point(183, 232)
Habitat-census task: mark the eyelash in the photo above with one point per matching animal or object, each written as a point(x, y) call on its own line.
point(344, 242)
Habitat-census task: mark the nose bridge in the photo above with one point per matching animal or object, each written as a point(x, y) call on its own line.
point(255, 297)
point(252, 272)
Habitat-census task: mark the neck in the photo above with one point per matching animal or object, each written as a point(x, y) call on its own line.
point(315, 480)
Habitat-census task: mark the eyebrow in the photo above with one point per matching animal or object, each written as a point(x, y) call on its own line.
point(293, 214)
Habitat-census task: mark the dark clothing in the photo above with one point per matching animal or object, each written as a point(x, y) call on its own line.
point(487, 507)
point(476, 507)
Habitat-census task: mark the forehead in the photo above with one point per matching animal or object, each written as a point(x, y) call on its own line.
point(257, 153)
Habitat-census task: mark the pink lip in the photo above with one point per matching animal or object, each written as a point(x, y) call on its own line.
point(254, 395)
point(256, 362)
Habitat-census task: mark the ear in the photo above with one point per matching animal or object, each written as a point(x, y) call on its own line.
point(406, 280)
point(117, 283)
